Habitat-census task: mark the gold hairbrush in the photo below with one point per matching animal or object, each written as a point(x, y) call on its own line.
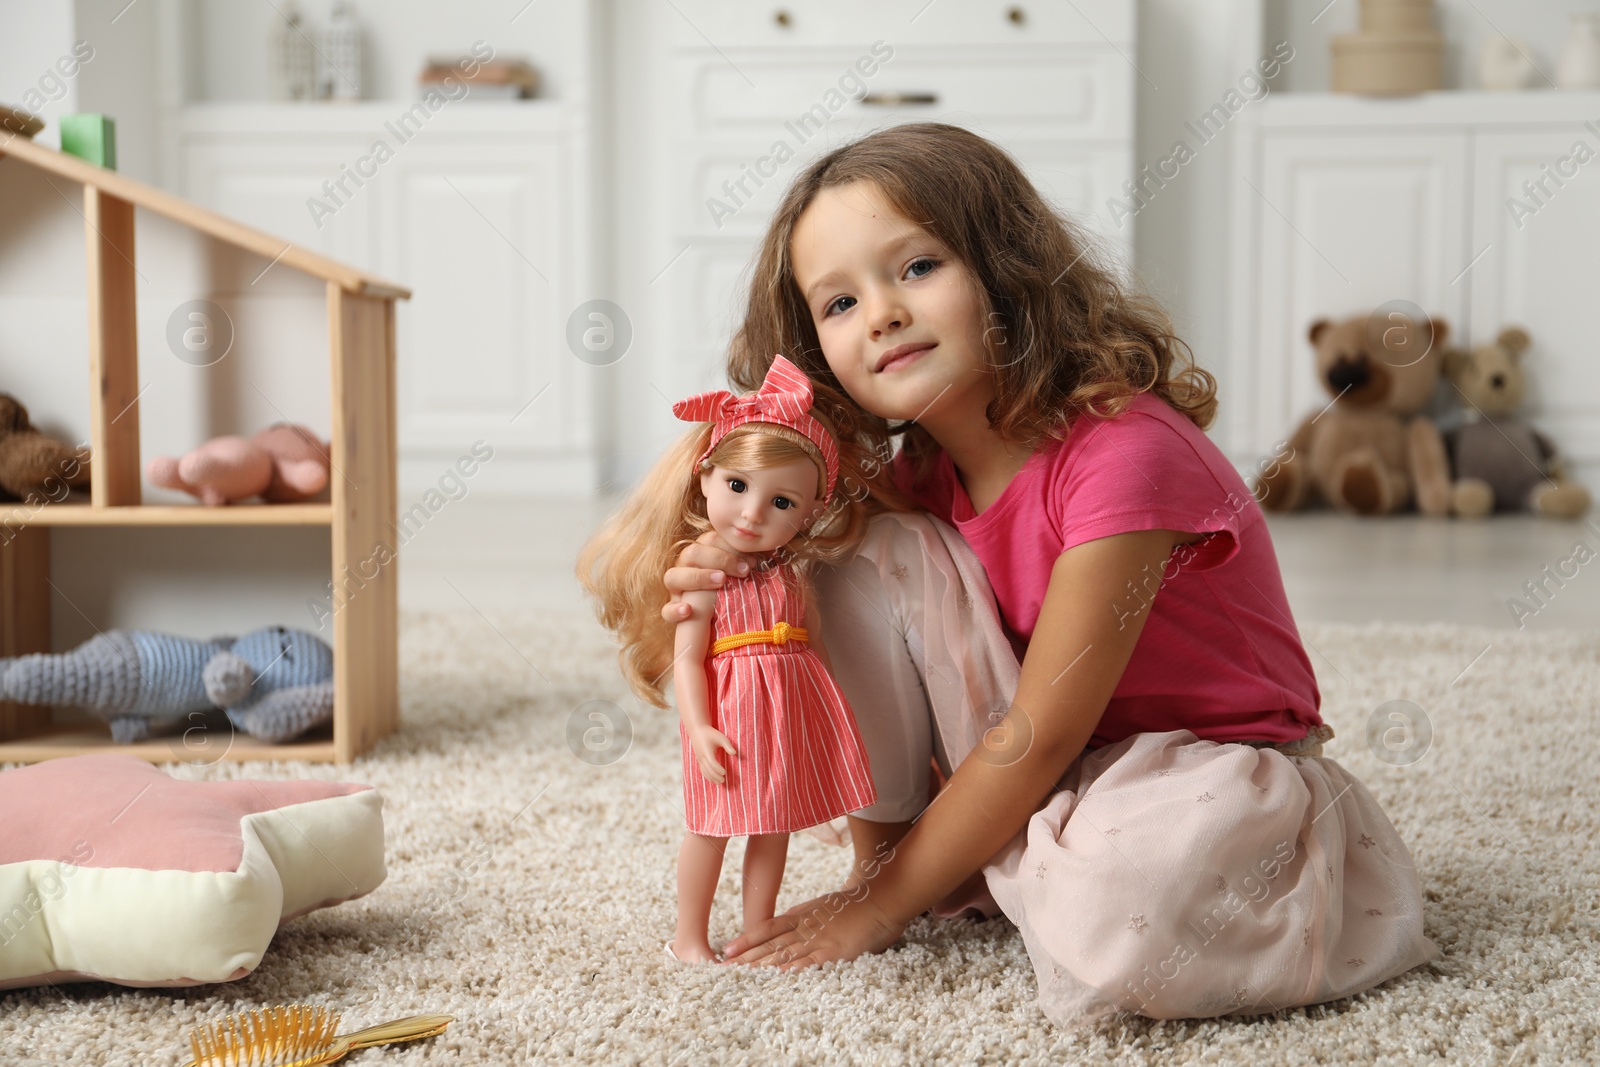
point(298, 1035)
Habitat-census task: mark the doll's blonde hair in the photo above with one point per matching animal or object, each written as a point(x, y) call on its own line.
point(623, 564)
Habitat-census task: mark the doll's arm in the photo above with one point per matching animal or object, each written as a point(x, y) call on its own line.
point(691, 640)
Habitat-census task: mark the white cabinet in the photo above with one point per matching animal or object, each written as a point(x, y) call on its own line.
point(477, 229)
point(1346, 223)
point(1342, 204)
point(1541, 268)
point(485, 215)
point(1052, 84)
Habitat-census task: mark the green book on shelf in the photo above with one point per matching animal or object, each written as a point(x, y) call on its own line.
point(90, 137)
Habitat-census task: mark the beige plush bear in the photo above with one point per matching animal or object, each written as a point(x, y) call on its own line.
point(1369, 451)
point(1500, 462)
point(33, 466)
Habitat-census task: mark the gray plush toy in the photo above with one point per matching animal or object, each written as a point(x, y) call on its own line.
point(1500, 462)
point(275, 683)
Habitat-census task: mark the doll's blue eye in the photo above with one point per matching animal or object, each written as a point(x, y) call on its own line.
point(783, 502)
point(736, 484)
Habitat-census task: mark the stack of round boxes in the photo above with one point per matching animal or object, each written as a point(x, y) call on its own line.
point(1397, 51)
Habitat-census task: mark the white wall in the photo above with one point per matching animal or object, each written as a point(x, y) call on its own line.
point(1193, 51)
point(121, 80)
point(34, 37)
point(627, 397)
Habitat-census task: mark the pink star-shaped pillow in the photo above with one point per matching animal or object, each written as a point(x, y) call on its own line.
point(112, 871)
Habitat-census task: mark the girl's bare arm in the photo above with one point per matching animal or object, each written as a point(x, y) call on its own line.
point(1094, 610)
point(700, 566)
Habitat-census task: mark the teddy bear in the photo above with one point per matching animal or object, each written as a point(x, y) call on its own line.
point(1499, 461)
point(1369, 451)
point(275, 683)
point(282, 464)
point(34, 467)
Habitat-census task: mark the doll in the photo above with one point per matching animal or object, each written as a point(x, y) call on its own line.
point(770, 745)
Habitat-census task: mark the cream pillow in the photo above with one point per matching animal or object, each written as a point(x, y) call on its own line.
point(110, 870)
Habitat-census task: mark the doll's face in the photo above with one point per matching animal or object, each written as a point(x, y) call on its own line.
point(760, 510)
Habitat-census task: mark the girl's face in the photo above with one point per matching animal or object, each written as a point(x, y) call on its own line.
point(876, 283)
point(760, 510)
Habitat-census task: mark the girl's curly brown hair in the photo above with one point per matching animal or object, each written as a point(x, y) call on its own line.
point(1067, 336)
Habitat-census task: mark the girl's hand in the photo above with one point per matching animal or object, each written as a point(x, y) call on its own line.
point(838, 926)
point(705, 740)
point(701, 567)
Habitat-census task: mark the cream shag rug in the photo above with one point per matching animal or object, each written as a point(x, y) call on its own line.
point(530, 890)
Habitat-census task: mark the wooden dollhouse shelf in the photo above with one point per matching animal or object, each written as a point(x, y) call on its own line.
point(360, 512)
point(74, 513)
point(62, 740)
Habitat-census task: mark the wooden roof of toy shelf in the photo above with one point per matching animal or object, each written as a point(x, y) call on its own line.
point(208, 222)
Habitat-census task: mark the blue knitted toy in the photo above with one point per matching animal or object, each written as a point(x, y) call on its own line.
point(275, 683)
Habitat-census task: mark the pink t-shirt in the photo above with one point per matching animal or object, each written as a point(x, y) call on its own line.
point(1219, 653)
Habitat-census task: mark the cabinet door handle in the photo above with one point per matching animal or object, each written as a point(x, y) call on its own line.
point(892, 99)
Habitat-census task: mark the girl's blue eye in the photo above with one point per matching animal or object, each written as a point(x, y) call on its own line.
point(736, 484)
point(929, 260)
point(783, 503)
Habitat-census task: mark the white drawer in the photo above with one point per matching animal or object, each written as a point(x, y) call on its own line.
point(1068, 92)
point(727, 24)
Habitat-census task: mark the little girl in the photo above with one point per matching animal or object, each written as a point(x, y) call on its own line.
point(1144, 795)
point(770, 744)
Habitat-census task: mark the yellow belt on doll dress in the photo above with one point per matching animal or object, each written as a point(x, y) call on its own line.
point(778, 635)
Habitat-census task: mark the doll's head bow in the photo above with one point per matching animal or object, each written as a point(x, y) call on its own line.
point(784, 399)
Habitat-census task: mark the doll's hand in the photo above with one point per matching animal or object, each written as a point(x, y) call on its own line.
point(837, 926)
point(706, 740)
point(701, 566)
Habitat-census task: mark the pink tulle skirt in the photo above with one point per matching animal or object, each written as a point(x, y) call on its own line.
point(1181, 878)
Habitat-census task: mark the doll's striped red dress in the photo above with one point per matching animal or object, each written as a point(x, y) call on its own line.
point(801, 761)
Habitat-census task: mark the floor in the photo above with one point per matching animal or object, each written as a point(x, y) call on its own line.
point(532, 821)
point(491, 554)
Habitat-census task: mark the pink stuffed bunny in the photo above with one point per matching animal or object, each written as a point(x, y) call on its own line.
point(281, 464)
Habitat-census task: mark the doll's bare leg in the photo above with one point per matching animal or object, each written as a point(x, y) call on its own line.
point(699, 868)
point(764, 859)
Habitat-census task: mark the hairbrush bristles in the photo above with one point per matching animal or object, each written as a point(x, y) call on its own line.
point(272, 1037)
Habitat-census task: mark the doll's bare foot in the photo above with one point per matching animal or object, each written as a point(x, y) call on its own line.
point(691, 952)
